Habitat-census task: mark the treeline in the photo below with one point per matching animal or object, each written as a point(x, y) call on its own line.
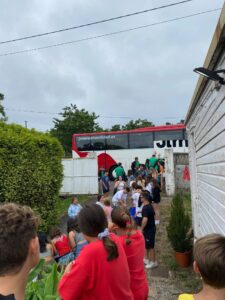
point(74, 120)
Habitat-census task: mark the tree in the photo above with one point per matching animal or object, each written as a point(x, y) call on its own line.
point(116, 127)
point(2, 111)
point(73, 120)
point(31, 170)
point(137, 124)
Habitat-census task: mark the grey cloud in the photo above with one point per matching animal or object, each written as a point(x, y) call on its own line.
point(147, 73)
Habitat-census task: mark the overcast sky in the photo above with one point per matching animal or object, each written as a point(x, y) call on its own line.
point(139, 74)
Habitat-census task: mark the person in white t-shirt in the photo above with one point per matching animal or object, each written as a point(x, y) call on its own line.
point(100, 201)
point(135, 196)
point(120, 197)
point(135, 202)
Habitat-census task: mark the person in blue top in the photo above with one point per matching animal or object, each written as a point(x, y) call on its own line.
point(74, 208)
point(105, 183)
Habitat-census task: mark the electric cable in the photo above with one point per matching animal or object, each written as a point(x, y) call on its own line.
point(94, 23)
point(108, 34)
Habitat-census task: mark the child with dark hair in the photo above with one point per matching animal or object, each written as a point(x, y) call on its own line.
point(61, 247)
point(19, 249)
point(75, 237)
point(46, 250)
point(156, 198)
point(148, 228)
point(130, 178)
point(120, 198)
point(134, 246)
point(135, 208)
point(209, 263)
point(101, 270)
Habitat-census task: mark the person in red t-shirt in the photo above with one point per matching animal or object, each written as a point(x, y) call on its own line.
point(61, 247)
point(101, 270)
point(134, 246)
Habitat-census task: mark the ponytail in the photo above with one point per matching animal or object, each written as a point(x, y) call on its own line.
point(111, 248)
point(92, 222)
point(122, 219)
point(129, 229)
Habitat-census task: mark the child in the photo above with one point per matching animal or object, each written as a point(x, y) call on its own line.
point(107, 209)
point(130, 178)
point(135, 204)
point(74, 208)
point(148, 228)
point(141, 181)
point(119, 184)
point(101, 270)
point(19, 249)
point(156, 198)
point(46, 250)
point(120, 198)
point(209, 263)
point(61, 247)
point(75, 237)
point(105, 184)
point(134, 246)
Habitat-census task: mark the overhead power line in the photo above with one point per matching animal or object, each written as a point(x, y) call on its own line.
point(94, 23)
point(109, 34)
point(100, 116)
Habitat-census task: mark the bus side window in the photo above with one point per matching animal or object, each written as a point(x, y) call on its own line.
point(141, 140)
point(98, 142)
point(117, 141)
point(83, 143)
point(168, 135)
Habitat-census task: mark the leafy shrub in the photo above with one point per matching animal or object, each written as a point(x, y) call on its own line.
point(179, 228)
point(31, 170)
point(42, 282)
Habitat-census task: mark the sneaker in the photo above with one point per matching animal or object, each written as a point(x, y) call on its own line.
point(146, 261)
point(151, 265)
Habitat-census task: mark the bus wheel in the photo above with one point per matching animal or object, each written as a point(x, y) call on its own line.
point(111, 176)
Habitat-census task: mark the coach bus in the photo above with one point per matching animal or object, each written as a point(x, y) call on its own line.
point(123, 146)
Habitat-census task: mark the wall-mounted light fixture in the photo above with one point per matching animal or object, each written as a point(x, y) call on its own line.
point(212, 75)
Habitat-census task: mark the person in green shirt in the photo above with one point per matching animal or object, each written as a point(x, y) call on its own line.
point(153, 162)
point(119, 170)
point(135, 166)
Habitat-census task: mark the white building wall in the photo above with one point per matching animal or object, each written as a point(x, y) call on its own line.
point(169, 172)
point(80, 176)
point(206, 135)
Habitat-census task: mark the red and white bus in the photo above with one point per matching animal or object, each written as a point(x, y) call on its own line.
point(123, 146)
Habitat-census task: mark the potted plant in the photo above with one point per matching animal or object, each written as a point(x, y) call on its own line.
point(179, 231)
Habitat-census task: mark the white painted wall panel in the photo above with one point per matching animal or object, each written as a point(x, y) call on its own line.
point(206, 134)
point(80, 176)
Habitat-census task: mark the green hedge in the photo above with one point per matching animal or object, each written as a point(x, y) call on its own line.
point(30, 170)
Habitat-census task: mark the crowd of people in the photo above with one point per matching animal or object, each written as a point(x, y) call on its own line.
point(108, 243)
point(110, 263)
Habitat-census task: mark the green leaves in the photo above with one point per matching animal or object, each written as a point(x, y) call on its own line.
point(179, 228)
point(137, 124)
point(42, 283)
point(36, 270)
point(73, 120)
point(31, 170)
point(140, 123)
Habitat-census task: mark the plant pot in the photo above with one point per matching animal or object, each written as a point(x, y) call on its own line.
point(183, 259)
